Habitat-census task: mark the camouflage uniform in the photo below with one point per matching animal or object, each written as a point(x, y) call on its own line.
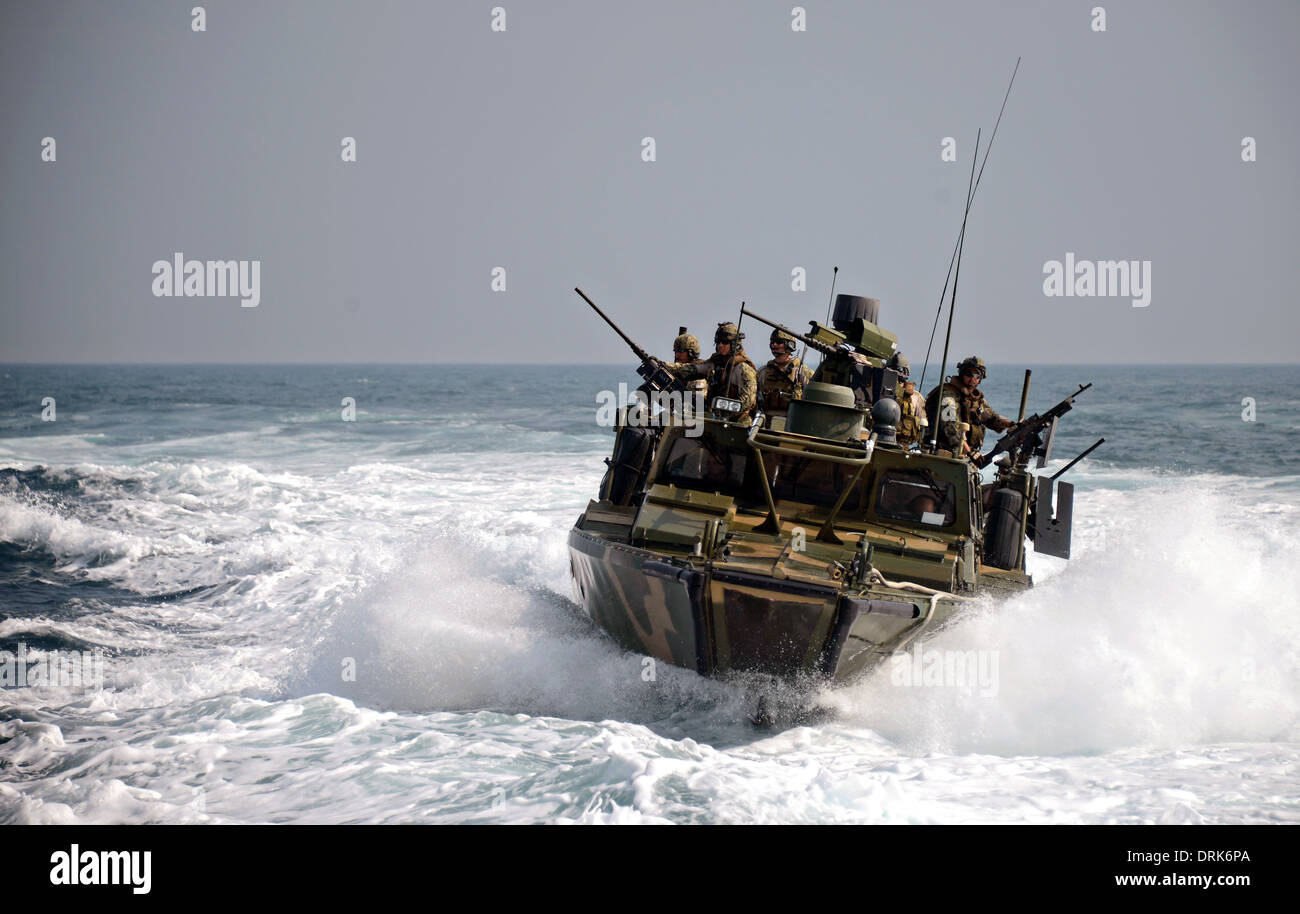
point(731, 376)
point(687, 343)
point(779, 384)
point(913, 419)
point(961, 405)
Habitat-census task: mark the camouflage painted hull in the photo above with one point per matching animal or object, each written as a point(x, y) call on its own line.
point(717, 620)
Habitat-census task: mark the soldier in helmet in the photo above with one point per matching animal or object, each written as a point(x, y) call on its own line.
point(686, 348)
point(783, 378)
point(729, 372)
point(912, 423)
point(958, 400)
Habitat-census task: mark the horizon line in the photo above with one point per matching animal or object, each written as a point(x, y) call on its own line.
point(628, 365)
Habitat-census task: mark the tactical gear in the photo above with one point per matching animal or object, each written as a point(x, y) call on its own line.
point(973, 363)
point(900, 364)
point(969, 408)
point(732, 377)
point(735, 379)
point(686, 342)
point(909, 422)
point(778, 385)
point(728, 333)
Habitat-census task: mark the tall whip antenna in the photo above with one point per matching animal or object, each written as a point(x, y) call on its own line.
point(835, 274)
point(952, 305)
point(970, 197)
point(731, 359)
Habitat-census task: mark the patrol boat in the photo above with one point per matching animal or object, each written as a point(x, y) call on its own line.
point(809, 549)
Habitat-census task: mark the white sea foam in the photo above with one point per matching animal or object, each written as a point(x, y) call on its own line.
point(1178, 624)
point(1151, 678)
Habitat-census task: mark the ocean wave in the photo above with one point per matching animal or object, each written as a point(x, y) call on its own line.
point(1179, 624)
point(376, 627)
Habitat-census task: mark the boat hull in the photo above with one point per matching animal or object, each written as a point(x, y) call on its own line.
point(717, 620)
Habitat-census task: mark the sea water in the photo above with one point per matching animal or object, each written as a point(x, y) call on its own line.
point(300, 618)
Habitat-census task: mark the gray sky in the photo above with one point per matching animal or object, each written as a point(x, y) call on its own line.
point(522, 149)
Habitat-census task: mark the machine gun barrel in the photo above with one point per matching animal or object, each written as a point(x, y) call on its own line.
point(1028, 429)
point(1065, 469)
point(640, 353)
point(652, 369)
point(806, 340)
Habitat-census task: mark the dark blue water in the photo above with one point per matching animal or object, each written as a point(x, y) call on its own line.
point(1182, 419)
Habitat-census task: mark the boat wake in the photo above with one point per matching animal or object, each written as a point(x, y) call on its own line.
point(1177, 622)
point(1151, 678)
point(462, 629)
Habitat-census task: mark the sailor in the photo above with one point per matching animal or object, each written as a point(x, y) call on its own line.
point(912, 422)
point(959, 401)
point(783, 378)
point(729, 372)
point(686, 348)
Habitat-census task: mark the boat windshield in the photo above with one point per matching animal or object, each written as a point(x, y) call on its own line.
point(814, 482)
point(706, 464)
point(916, 496)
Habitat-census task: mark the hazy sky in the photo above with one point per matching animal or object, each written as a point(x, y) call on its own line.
point(522, 149)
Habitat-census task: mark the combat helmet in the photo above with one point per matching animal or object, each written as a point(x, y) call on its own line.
point(973, 363)
point(686, 342)
point(901, 365)
point(780, 336)
point(728, 332)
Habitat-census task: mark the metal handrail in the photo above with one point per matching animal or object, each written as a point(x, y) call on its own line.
point(817, 449)
point(822, 452)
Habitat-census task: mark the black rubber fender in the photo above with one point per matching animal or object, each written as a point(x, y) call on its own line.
point(1004, 533)
point(633, 453)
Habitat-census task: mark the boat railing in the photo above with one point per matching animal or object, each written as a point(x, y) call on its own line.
point(776, 443)
point(761, 441)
